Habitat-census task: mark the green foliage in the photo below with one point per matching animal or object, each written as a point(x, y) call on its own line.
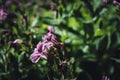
point(89, 29)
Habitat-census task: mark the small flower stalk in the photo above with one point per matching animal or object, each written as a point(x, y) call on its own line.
point(42, 49)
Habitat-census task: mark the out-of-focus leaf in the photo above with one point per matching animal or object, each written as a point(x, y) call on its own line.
point(116, 60)
point(21, 56)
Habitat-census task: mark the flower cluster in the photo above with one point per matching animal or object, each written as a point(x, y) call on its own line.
point(42, 48)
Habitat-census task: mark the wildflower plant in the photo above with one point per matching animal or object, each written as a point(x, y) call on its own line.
point(48, 50)
point(42, 49)
point(83, 42)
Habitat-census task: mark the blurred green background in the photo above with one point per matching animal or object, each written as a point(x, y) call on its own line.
point(89, 29)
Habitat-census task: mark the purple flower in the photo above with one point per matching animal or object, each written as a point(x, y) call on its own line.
point(3, 14)
point(41, 51)
point(105, 78)
point(38, 53)
point(39, 47)
point(47, 45)
point(36, 56)
point(51, 37)
point(116, 2)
